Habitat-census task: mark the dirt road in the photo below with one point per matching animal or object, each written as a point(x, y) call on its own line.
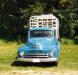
point(31, 72)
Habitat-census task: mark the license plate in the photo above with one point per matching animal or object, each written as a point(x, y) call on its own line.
point(36, 60)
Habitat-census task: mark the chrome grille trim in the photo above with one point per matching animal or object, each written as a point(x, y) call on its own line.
point(36, 55)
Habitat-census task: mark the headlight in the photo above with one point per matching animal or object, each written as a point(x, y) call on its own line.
point(51, 54)
point(21, 53)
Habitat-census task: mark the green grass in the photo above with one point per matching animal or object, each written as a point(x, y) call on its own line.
point(67, 41)
point(68, 59)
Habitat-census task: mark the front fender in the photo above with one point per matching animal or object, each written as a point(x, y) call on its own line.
point(23, 48)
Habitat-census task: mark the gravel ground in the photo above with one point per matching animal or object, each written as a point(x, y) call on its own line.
point(30, 72)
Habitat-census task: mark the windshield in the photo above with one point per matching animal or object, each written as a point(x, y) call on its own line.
point(40, 33)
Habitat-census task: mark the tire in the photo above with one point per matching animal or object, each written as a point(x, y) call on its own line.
point(55, 63)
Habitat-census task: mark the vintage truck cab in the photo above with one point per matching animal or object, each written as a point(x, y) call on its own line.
point(42, 44)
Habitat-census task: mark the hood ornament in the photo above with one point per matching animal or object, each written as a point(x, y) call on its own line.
point(38, 45)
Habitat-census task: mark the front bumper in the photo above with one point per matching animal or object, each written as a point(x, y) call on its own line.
point(37, 60)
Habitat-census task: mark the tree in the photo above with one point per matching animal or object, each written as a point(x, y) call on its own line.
point(15, 14)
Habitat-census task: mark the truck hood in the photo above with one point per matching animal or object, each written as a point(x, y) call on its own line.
point(42, 43)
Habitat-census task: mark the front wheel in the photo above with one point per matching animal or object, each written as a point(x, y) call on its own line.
point(55, 63)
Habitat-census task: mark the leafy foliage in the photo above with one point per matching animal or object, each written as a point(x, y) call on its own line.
point(14, 16)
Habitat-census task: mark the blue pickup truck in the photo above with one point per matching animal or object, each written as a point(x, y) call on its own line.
point(42, 46)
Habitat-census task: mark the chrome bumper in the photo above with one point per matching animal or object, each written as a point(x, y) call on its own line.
point(37, 60)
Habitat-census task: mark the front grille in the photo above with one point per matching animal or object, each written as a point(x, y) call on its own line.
point(36, 55)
